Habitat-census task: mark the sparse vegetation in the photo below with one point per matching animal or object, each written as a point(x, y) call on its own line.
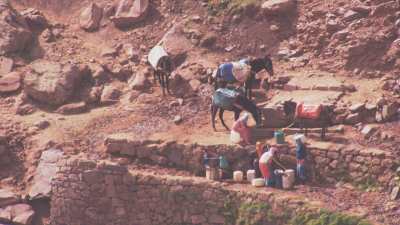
point(218, 6)
point(327, 218)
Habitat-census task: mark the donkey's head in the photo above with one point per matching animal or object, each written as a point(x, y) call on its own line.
point(289, 107)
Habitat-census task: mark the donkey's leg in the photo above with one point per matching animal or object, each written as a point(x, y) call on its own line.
point(155, 76)
point(237, 114)
point(167, 82)
point(162, 83)
point(221, 117)
point(214, 110)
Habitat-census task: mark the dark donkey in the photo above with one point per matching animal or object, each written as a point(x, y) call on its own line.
point(224, 74)
point(323, 119)
point(162, 66)
point(163, 72)
point(239, 103)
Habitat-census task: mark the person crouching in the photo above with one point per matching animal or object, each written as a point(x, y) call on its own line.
point(240, 128)
point(266, 166)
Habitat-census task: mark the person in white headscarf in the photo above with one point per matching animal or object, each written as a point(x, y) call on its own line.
point(240, 129)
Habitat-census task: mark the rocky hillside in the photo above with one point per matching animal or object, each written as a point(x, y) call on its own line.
point(73, 73)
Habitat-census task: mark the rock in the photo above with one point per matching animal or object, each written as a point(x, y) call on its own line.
point(50, 82)
point(195, 84)
point(353, 119)
point(47, 36)
point(208, 40)
point(94, 95)
point(358, 107)
point(390, 110)
point(351, 15)
point(42, 124)
point(140, 81)
point(176, 44)
point(90, 17)
point(109, 52)
point(15, 35)
point(8, 197)
point(73, 108)
point(45, 172)
point(278, 6)
point(395, 194)
point(21, 214)
point(99, 75)
point(10, 82)
point(35, 18)
point(110, 95)
point(6, 65)
point(129, 12)
point(369, 130)
point(333, 26)
point(177, 119)
point(109, 10)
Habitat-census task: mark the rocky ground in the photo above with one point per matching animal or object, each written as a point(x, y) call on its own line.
point(74, 72)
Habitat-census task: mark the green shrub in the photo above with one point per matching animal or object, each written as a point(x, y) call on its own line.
point(327, 218)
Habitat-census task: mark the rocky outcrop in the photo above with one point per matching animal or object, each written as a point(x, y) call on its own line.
point(35, 18)
point(6, 65)
point(41, 187)
point(21, 214)
point(73, 108)
point(278, 6)
point(90, 17)
point(8, 197)
point(10, 82)
point(15, 35)
point(129, 12)
point(51, 82)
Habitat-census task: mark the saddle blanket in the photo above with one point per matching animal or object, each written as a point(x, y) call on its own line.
point(155, 55)
point(308, 111)
point(234, 71)
point(225, 98)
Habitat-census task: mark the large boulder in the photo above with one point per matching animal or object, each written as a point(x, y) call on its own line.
point(35, 18)
point(50, 82)
point(130, 12)
point(278, 6)
point(90, 17)
point(21, 214)
point(8, 197)
point(176, 44)
point(41, 187)
point(10, 82)
point(15, 35)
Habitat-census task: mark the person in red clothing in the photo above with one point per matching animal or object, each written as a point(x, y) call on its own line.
point(240, 127)
point(266, 164)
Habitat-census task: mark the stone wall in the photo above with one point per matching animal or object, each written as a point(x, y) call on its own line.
point(328, 162)
point(85, 192)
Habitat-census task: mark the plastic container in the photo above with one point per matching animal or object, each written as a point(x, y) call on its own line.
point(288, 179)
point(279, 137)
point(238, 176)
point(251, 174)
point(212, 173)
point(235, 137)
point(258, 182)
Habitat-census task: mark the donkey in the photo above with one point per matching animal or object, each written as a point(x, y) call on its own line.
point(163, 72)
point(324, 118)
point(224, 74)
point(238, 104)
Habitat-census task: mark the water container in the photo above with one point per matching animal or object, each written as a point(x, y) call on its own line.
point(258, 182)
point(212, 173)
point(238, 176)
point(235, 137)
point(279, 137)
point(288, 179)
point(251, 174)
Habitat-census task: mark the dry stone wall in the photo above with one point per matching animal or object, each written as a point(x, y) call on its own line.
point(85, 192)
point(327, 162)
